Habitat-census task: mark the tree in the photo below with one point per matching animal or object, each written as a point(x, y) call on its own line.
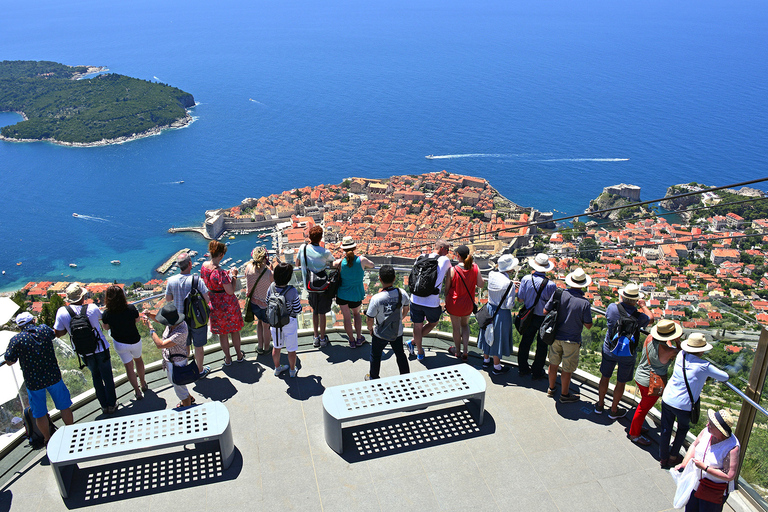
point(48, 314)
point(588, 249)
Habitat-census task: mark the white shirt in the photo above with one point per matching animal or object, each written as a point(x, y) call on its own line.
point(498, 282)
point(433, 301)
point(63, 322)
point(697, 370)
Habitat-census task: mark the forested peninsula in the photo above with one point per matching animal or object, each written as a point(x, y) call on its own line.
point(105, 109)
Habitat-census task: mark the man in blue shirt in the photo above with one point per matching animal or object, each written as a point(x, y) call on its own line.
point(574, 314)
point(33, 349)
point(631, 301)
point(531, 286)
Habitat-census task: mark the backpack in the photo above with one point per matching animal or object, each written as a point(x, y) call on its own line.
point(422, 280)
point(33, 434)
point(548, 328)
point(85, 338)
point(317, 282)
point(278, 312)
point(196, 310)
point(389, 328)
point(626, 337)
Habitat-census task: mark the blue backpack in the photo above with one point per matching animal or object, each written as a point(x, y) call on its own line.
point(627, 335)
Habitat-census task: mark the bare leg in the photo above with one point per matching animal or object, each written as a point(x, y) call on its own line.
point(358, 322)
point(132, 378)
point(224, 343)
point(140, 370)
point(42, 424)
point(423, 331)
point(552, 376)
point(321, 323)
point(602, 389)
point(276, 356)
point(456, 332)
point(617, 394)
point(66, 416)
point(199, 355)
point(417, 335)
point(315, 323)
point(565, 382)
point(348, 323)
point(236, 343)
point(292, 360)
point(465, 333)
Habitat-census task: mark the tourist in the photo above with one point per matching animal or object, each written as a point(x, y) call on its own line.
point(682, 392)
point(535, 290)
point(464, 280)
point(287, 336)
point(226, 318)
point(630, 311)
point(501, 296)
point(659, 351)
point(351, 292)
point(428, 307)
point(33, 349)
point(716, 453)
point(258, 277)
point(387, 309)
point(176, 290)
point(313, 257)
point(98, 362)
point(173, 345)
point(574, 314)
point(120, 319)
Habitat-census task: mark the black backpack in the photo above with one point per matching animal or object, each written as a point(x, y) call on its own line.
point(196, 310)
point(548, 328)
point(422, 280)
point(278, 311)
point(33, 434)
point(85, 338)
point(627, 335)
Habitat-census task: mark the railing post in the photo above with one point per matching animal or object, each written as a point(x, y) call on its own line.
point(754, 391)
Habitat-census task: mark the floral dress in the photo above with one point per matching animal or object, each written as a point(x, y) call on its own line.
point(225, 317)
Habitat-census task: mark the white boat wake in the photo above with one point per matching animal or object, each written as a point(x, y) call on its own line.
point(585, 160)
point(89, 217)
point(253, 100)
point(468, 155)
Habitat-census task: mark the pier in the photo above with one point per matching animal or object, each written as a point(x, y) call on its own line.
point(169, 263)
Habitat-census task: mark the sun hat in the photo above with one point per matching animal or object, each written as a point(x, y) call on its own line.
point(722, 420)
point(23, 319)
point(169, 316)
point(666, 330)
point(462, 251)
point(696, 342)
point(348, 243)
point(541, 262)
point(631, 291)
point(259, 253)
point(75, 292)
point(506, 263)
point(578, 279)
point(183, 261)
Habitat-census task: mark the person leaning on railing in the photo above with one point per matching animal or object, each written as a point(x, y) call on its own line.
point(226, 319)
point(258, 277)
point(464, 280)
point(120, 319)
point(173, 345)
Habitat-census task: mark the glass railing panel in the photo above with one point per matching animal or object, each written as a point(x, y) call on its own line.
point(754, 469)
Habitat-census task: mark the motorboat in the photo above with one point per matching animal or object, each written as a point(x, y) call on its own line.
point(115, 262)
point(73, 265)
point(75, 215)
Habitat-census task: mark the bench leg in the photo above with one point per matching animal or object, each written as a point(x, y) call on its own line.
point(479, 399)
point(227, 447)
point(332, 428)
point(63, 475)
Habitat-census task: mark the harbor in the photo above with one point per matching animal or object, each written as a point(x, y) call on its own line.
point(171, 261)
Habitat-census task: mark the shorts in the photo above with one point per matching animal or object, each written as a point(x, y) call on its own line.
point(626, 366)
point(259, 312)
point(320, 302)
point(418, 313)
point(288, 336)
point(565, 352)
point(127, 351)
point(59, 393)
point(351, 303)
point(197, 336)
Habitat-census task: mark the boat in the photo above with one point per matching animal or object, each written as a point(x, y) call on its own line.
point(264, 235)
point(115, 262)
point(73, 265)
point(232, 237)
point(3, 272)
point(18, 264)
point(181, 182)
point(431, 157)
point(75, 215)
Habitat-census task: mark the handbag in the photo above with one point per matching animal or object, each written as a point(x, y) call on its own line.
point(523, 317)
point(474, 304)
point(695, 406)
point(713, 492)
point(484, 317)
point(183, 375)
point(657, 382)
point(248, 312)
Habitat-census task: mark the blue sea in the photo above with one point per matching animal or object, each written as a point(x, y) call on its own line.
point(550, 101)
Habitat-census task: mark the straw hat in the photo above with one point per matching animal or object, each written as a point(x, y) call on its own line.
point(578, 279)
point(541, 262)
point(75, 292)
point(348, 243)
point(722, 420)
point(631, 291)
point(696, 342)
point(506, 263)
point(666, 330)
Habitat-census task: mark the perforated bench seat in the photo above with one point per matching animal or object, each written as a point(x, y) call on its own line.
point(400, 393)
point(95, 440)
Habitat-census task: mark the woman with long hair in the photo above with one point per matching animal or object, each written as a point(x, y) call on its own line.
point(351, 293)
point(258, 277)
point(465, 278)
point(226, 319)
point(121, 318)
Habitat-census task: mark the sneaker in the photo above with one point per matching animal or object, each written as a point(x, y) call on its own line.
point(420, 357)
point(360, 341)
point(599, 408)
point(551, 392)
point(205, 372)
point(316, 341)
point(111, 409)
point(293, 372)
point(620, 413)
point(367, 376)
point(411, 349)
point(324, 342)
point(569, 398)
point(487, 364)
point(280, 369)
point(500, 371)
point(640, 440)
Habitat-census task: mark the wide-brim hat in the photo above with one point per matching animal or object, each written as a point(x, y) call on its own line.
point(723, 420)
point(169, 316)
point(541, 262)
point(631, 291)
point(24, 318)
point(696, 342)
point(666, 330)
point(75, 292)
point(348, 243)
point(506, 263)
point(578, 279)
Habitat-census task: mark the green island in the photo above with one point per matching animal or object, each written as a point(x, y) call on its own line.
point(60, 107)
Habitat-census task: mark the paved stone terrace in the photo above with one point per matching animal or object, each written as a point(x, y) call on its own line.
point(532, 453)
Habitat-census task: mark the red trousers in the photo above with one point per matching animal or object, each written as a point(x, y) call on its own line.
point(646, 404)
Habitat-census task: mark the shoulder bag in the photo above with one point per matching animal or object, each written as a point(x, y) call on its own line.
point(183, 375)
point(695, 406)
point(484, 317)
point(657, 382)
point(474, 304)
point(248, 312)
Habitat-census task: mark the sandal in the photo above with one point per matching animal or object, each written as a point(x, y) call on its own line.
point(144, 388)
point(241, 357)
point(138, 394)
point(452, 351)
point(465, 357)
point(227, 363)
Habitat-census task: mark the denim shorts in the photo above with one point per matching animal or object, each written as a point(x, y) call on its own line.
point(626, 366)
point(418, 313)
point(197, 336)
point(59, 393)
point(259, 312)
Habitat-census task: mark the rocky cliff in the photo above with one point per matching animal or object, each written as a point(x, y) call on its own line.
point(607, 200)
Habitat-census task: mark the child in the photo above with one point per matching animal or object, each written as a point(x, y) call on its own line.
point(387, 307)
point(288, 335)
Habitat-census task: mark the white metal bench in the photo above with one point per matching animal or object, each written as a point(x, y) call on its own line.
point(400, 393)
point(94, 440)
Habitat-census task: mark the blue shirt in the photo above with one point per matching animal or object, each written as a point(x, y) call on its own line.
point(33, 349)
point(527, 291)
point(574, 312)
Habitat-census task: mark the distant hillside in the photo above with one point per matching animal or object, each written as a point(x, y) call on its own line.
point(750, 211)
point(106, 108)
